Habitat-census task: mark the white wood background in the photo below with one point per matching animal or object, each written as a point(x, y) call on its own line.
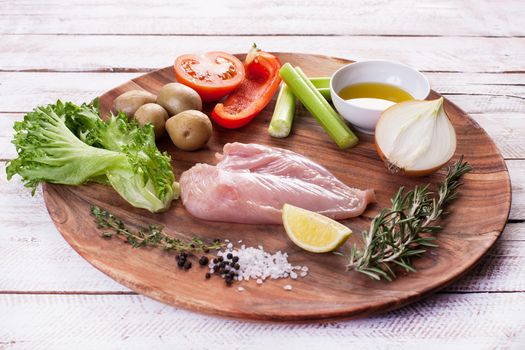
point(472, 51)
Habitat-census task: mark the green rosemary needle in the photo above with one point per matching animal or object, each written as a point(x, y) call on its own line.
point(153, 235)
point(404, 230)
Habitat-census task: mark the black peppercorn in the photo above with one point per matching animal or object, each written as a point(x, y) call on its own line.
point(235, 259)
point(221, 259)
point(184, 254)
point(229, 256)
point(180, 263)
point(203, 261)
point(207, 275)
point(215, 261)
point(236, 266)
point(187, 265)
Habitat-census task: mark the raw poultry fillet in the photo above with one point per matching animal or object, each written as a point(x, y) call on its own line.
point(251, 183)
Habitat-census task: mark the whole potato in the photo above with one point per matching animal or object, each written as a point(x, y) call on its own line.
point(176, 98)
point(154, 114)
point(189, 130)
point(130, 101)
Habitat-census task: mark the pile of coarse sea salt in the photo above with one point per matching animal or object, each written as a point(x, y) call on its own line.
point(259, 265)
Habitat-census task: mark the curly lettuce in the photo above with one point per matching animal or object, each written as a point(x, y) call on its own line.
point(68, 144)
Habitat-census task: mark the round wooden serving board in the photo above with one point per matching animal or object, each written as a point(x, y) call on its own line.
point(477, 219)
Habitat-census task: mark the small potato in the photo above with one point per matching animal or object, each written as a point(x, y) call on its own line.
point(154, 114)
point(130, 101)
point(189, 130)
point(176, 98)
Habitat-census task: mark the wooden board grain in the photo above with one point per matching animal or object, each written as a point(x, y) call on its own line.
point(130, 53)
point(476, 221)
point(451, 321)
point(273, 17)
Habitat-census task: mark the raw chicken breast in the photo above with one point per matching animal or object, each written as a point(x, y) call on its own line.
point(251, 183)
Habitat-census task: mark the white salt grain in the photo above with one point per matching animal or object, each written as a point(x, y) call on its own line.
point(240, 289)
point(259, 265)
point(287, 287)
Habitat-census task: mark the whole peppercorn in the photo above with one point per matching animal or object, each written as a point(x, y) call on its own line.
point(203, 261)
point(180, 263)
point(236, 266)
point(235, 259)
point(229, 256)
point(207, 275)
point(184, 255)
point(221, 259)
point(187, 265)
point(215, 261)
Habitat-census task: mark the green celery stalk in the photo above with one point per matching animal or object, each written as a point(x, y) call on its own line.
point(320, 82)
point(326, 93)
point(314, 102)
point(283, 114)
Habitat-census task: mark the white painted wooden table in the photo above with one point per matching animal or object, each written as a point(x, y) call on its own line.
point(472, 51)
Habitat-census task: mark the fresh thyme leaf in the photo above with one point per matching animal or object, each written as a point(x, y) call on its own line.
point(153, 235)
point(403, 231)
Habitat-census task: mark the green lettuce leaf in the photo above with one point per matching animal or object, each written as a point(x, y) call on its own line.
point(69, 144)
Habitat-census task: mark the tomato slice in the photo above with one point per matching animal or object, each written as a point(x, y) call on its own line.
point(255, 92)
point(213, 75)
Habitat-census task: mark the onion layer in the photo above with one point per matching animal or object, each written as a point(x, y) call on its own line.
point(415, 137)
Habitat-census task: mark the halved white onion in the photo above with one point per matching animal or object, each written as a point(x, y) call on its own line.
point(415, 137)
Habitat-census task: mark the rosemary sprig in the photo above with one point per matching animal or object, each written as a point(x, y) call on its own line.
point(404, 230)
point(153, 235)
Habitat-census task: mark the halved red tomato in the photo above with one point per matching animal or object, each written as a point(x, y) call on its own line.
point(213, 75)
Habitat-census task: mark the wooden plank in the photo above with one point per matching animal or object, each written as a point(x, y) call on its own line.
point(473, 92)
point(454, 321)
point(125, 53)
point(517, 178)
point(495, 101)
point(483, 18)
point(506, 129)
point(37, 259)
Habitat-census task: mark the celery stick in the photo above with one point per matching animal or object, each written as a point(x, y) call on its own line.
point(326, 93)
point(313, 101)
point(283, 113)
point(321, 82)
point(325, 103)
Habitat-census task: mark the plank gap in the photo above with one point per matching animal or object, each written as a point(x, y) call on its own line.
point(271, 35)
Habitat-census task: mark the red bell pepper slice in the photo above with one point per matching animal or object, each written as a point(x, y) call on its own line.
point(255, 92)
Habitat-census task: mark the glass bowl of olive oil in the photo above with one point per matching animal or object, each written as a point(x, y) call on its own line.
point(361, 91)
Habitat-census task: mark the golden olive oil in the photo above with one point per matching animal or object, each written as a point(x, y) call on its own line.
point(375, 90)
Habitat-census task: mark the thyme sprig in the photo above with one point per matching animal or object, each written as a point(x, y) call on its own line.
point(405, 229)
point(153, 235)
